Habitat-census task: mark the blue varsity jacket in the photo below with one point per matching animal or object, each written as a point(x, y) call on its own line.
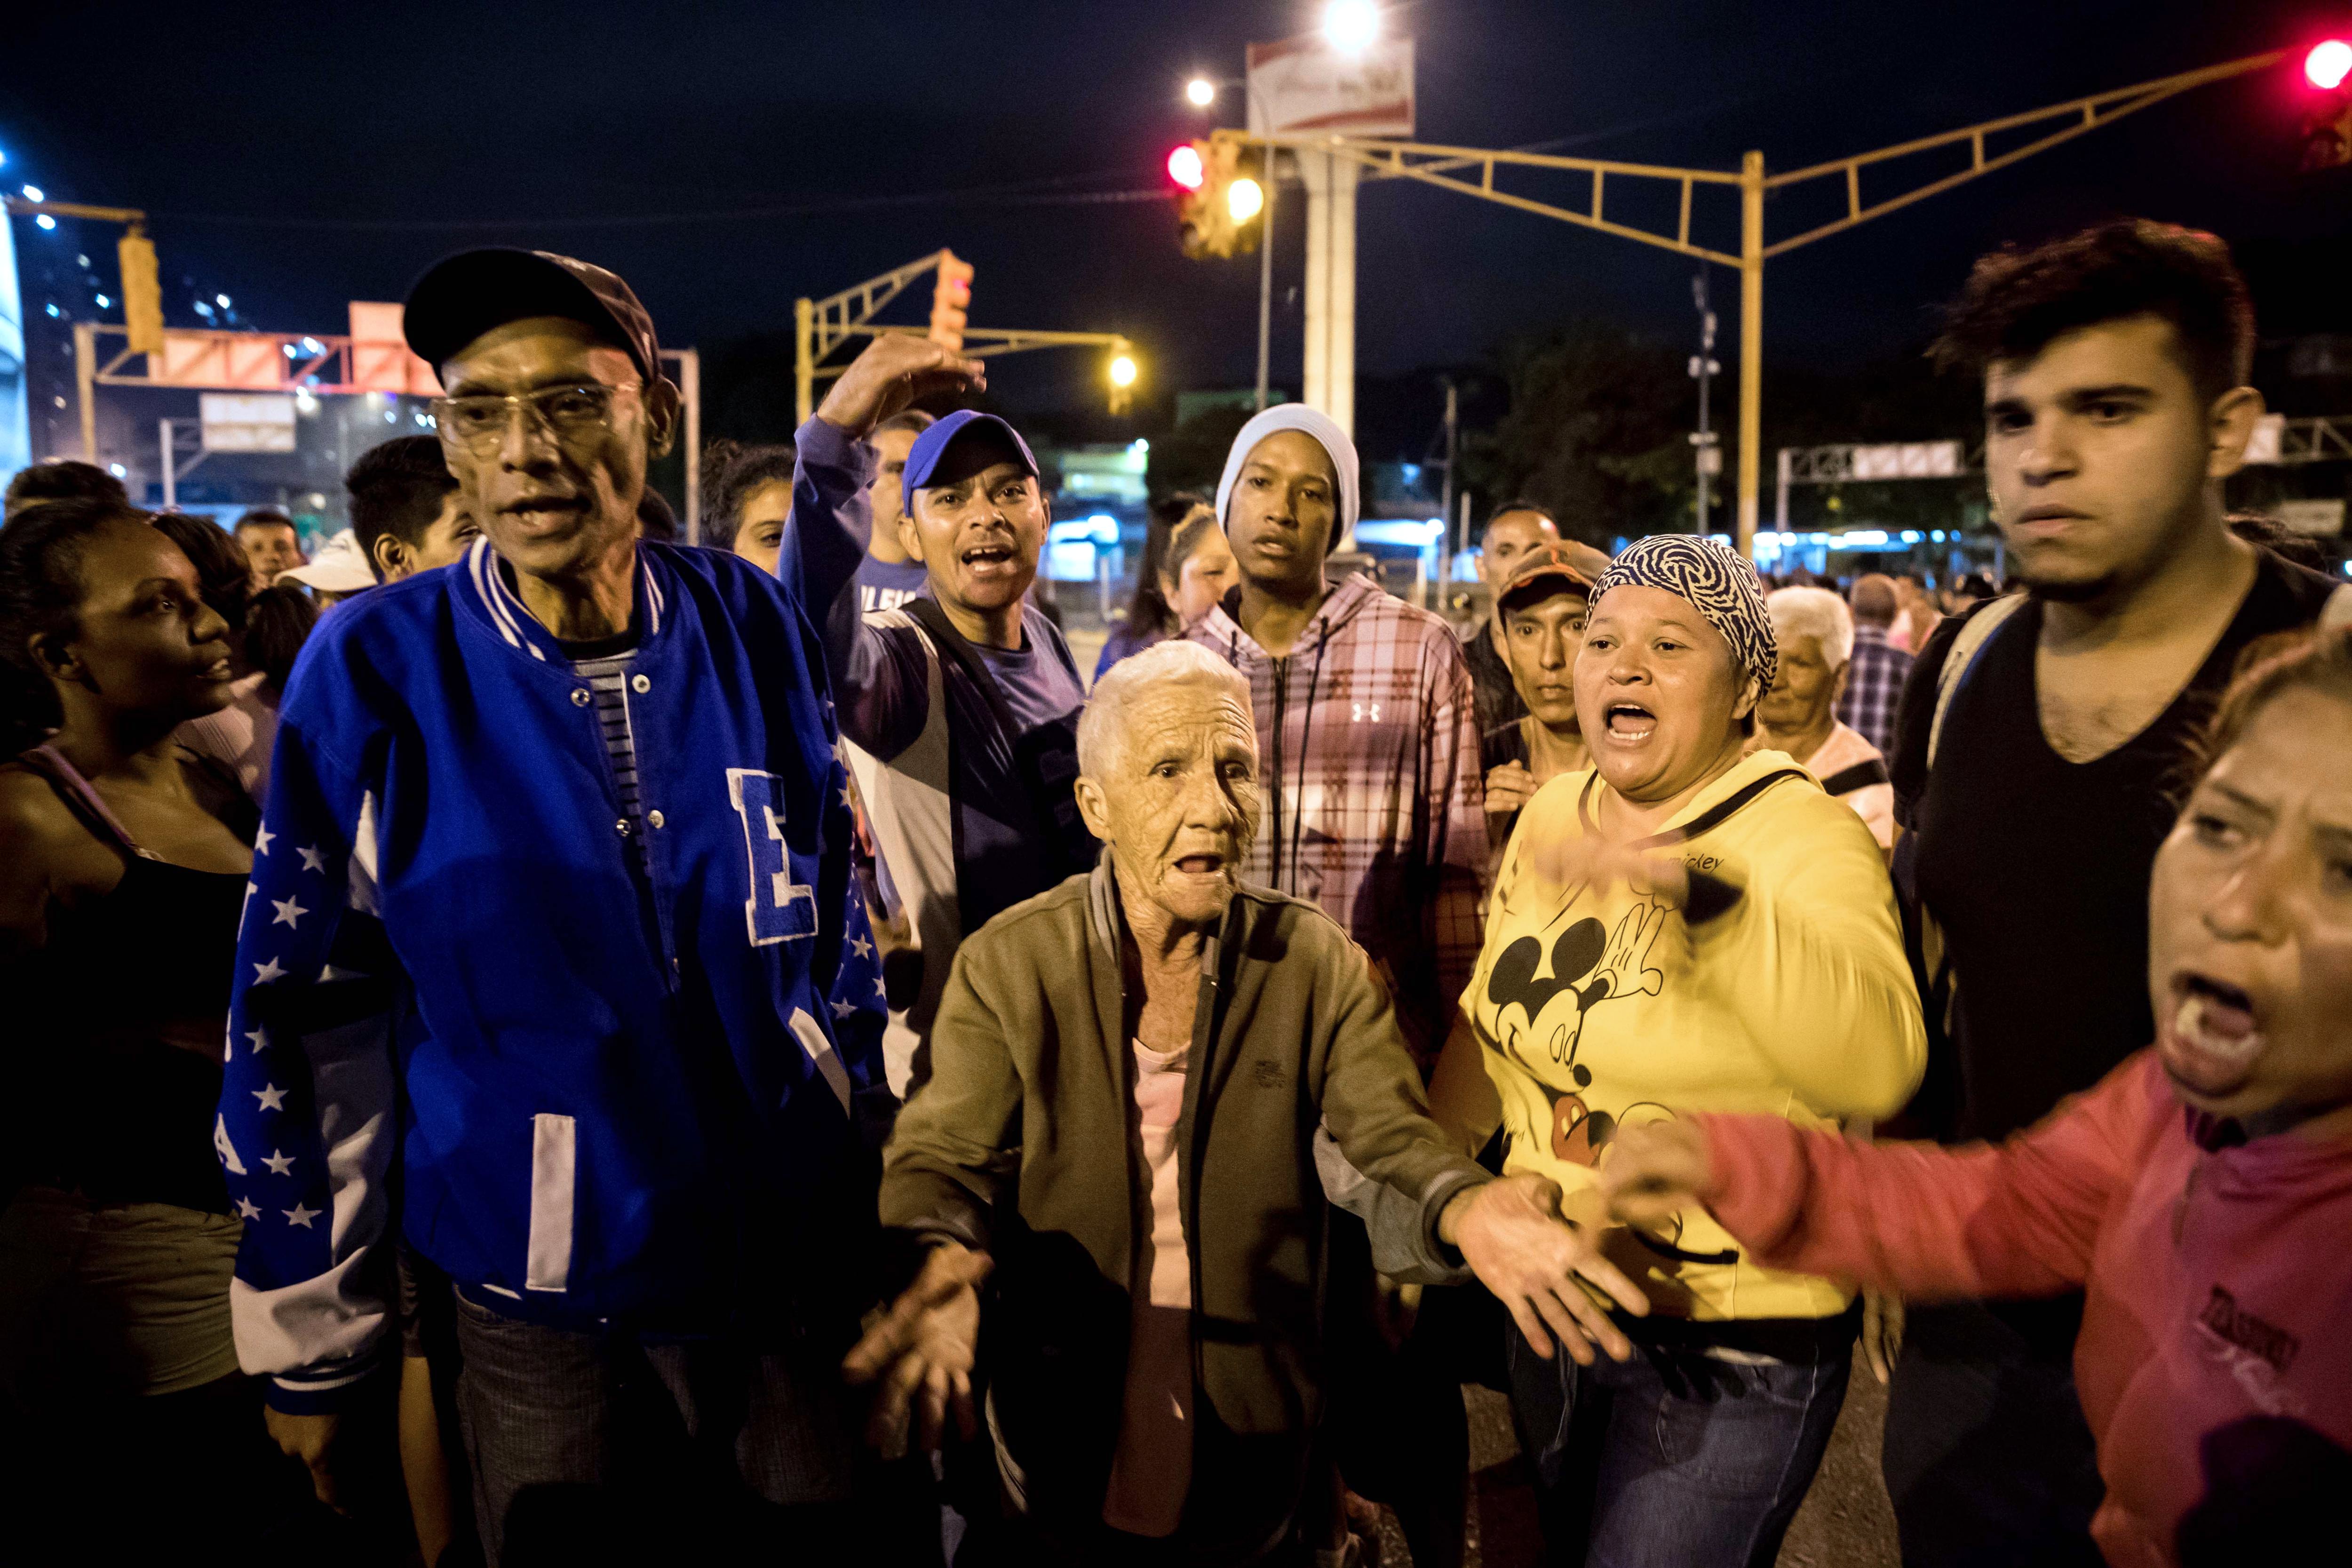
point(597, 1074)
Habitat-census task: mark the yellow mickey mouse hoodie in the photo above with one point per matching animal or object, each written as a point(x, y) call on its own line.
point(1594, 1011)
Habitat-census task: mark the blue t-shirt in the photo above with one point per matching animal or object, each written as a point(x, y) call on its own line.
point(887, 584)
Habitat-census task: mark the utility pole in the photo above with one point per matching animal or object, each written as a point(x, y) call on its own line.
point(1702, 369)
point(1445, 504)
point(1751, 344)
point(1266, 281)
point(1331, 368)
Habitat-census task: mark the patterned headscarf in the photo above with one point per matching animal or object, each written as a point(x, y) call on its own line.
point(1717, 583)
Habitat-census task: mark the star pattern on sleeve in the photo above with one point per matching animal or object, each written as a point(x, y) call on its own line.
point(261, 839)
point(843, 1009)
point(272, 1098)
point(861, 947)
point(289, 912)
point(302, 1216)
point(260, 1040)
point(248, 1209)
point(312, 860)
point(280, 1163)
point(267, 971)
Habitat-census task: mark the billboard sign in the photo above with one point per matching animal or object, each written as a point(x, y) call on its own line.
point(1302, 86)
point(235, 422)
point(1908, 460)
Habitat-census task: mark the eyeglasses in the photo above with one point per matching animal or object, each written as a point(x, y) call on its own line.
point(478, 422)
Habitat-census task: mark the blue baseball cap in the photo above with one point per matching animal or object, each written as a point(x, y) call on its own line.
point(932, 445)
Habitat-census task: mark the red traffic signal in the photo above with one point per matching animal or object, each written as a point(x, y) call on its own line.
point(950, 301)
point(1186, 167)
point(2327, 125)
point(2328, 64)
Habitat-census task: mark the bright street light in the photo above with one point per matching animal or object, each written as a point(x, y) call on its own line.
point(1351, 26)
point(1122, 371)
point(2328, 64)
point(1200, 92)
point(33, 193)
point(1244, 199)
point(45, 221)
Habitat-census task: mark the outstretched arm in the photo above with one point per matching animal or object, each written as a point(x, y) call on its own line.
point(2017, 1218)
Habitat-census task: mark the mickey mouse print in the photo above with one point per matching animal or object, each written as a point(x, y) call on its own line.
point(1596, 1008)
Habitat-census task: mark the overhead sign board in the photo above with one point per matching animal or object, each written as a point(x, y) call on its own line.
point(2321, 519)
point(2269, 438)
point(262, 422)
point(1301, 85)
point(1908, 460)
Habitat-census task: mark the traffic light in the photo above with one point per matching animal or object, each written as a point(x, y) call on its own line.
point(1221, 195)
point(143, 296)
point(950, 301)
point(1122, 373)
point(2328, 127)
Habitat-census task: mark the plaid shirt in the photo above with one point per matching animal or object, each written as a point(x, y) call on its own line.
point(1368, 740)
point(1874, 685)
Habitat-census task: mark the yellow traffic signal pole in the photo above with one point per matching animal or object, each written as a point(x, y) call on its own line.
point(821, 326)
point(1470, 171)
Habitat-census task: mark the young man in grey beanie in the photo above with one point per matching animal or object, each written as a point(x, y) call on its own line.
point(1368, 740)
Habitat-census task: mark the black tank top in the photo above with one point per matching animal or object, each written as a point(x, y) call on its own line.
point(103, 1101)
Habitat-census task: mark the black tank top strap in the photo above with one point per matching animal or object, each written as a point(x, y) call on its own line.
point(82, 800)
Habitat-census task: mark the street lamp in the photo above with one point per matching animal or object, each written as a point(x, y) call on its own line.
point(1200, 92)
point(1122, 371)
point(1351, 26)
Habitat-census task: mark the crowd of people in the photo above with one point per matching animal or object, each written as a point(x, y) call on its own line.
point(539, 1043)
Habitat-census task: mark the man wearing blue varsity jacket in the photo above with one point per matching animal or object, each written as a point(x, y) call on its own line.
point(554, 969)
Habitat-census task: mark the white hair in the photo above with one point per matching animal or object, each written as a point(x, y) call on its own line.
point(1103, 721)
point(1813, 613)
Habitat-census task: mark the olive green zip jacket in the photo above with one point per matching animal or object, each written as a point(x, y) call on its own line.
point(1023, 1143)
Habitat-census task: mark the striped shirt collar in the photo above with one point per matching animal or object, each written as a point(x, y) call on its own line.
point(521, 630)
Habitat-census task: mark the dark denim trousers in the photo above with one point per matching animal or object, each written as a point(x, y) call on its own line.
point(1688, 1456)
point(1987, 1458)
point(595, 1448)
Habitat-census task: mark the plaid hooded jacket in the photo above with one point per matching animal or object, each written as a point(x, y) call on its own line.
point(1374, 807)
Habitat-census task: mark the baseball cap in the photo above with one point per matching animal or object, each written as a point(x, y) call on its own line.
point(931, 446)
point(341, 567)
point(463, 296)
point(1556, 560)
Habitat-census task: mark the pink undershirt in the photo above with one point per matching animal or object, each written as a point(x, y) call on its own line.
point(1152, 1470)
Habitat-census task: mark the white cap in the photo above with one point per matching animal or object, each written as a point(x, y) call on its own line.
point(1309, 421)
point(339, 567)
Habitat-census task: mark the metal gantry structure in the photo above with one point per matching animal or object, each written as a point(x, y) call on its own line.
point(821, 326)
point(1471, 171)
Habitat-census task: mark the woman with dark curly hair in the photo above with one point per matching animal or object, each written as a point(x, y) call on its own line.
point(751, 496)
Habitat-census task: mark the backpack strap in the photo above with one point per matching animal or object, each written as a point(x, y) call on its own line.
point(1973, 635)
point(1862, 775)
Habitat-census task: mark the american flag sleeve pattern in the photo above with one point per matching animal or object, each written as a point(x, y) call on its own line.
point(306, 1128)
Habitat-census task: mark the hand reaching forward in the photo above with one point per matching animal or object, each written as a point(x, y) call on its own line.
point(1655, 1170)
point(1588, 860)
point(1511, 1234)
point(922, 1352)
point(1509, 787)
point(895, 370)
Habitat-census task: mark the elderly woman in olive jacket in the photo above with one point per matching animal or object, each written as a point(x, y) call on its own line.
point(1128, 1075)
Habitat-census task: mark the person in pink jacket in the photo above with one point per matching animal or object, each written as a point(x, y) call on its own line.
point(2201, 1193)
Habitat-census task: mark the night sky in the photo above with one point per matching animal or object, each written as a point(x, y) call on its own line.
point(298, 156)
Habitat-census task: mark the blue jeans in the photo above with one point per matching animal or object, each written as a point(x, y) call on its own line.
point(1694, 1454)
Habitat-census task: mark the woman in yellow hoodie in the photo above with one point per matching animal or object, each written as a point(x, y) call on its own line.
point(1680, 928)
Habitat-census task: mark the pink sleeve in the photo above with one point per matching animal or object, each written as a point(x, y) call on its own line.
point(2016, 1218)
